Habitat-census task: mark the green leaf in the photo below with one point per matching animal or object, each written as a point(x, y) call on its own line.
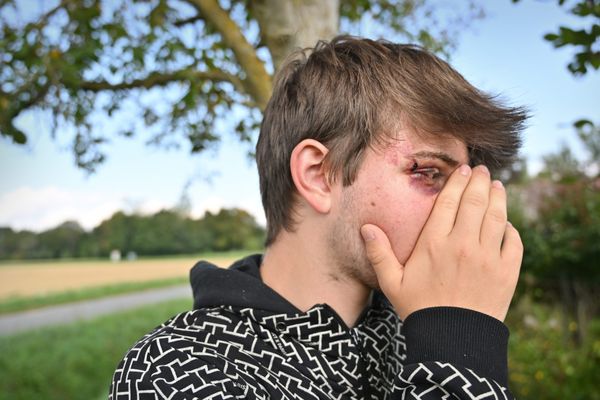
point(582, 122)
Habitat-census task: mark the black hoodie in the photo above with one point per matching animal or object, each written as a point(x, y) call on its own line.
point(245, 341)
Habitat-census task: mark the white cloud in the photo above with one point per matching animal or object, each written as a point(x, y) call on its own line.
point(38, 209)
point(215, 203)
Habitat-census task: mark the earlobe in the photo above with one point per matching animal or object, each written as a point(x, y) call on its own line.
point(309, 174)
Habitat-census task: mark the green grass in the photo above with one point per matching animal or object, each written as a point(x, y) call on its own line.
point(15, 304)
point(75, 361)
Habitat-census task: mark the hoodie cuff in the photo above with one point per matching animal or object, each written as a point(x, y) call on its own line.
point(458, 336)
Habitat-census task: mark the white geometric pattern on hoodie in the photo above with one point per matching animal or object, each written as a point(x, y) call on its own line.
point(243, 353)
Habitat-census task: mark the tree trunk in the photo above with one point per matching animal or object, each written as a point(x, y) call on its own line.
point(287, 25)
point(585, 309)
point(568, 304)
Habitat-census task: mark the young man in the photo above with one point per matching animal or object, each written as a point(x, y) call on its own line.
point(389, 263)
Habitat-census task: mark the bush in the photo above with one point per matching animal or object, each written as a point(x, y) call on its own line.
point(544, 363)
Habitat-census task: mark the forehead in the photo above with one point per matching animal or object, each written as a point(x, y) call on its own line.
point(407, 144)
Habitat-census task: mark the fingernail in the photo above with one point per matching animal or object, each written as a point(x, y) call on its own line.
point(484, 169)
point(367, 234)
point(464, 170)
point(497, 184)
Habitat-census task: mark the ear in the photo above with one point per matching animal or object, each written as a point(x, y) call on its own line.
point(309, 174)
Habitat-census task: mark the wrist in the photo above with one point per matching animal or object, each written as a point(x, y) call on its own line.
point(458, 336)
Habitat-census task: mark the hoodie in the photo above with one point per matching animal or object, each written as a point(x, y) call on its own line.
point(242, 340)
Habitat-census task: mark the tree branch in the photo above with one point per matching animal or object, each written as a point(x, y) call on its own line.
point(162, 79)
point(258, 81)
point(190, 20)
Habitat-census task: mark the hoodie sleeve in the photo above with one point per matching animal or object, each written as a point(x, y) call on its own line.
point(453, 353)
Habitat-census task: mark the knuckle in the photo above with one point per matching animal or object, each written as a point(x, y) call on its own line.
point(465, 252)
point(475, 199)
point(434, 246)
point(376, 256)
point(497, 215)
point(517, 242)
point(446, 203)
point(519, 245)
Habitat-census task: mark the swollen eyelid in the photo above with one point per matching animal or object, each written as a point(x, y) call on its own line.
point(432, 173)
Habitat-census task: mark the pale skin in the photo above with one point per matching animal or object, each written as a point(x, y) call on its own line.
point(417, 220)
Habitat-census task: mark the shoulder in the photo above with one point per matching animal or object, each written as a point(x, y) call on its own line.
point(182, 354)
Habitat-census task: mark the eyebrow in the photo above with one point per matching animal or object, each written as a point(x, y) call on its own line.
point(440, 155)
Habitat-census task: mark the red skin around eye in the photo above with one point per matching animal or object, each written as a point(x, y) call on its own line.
point(386, 193)
point(425, 179)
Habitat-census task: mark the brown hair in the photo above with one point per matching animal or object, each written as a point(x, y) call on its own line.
point(353, 93)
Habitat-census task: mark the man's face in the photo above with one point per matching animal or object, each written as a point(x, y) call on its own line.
point(395, 189)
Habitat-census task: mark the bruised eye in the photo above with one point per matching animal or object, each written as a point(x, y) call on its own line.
point(429, 176)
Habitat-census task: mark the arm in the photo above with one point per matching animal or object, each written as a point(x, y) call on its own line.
point(467, 262)
point(453, 351)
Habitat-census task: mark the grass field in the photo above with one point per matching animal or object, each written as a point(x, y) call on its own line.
point(31, 284)
point(19, 303)
point(75, 361)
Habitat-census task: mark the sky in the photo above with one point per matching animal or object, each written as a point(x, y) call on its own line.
point(40, 186)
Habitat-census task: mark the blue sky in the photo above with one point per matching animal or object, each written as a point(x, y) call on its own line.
point(504, 53)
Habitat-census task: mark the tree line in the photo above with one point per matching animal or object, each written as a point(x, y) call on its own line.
point(166, 232)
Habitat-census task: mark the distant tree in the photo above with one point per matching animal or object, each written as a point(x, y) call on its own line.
point(174, 68)
point(62, 241)
point(117, 232)
point(162, 233)
point(18, 244)
point(233, 229)
point(558, 215)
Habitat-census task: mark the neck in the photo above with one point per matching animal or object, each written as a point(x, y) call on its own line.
point(303, 275)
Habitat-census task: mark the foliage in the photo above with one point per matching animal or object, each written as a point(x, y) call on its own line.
point(558, 215)
point(542, 365)
point(584, 40)
point(173, 69)
point(75, 361)
point(164, 233)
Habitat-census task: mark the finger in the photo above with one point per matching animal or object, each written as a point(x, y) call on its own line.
point(381, 256)
point(512, 247)
point(494, 221)
point(473, 205)
point(442, 217)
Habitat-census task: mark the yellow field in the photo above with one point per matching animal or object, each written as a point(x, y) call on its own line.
point(29, 279)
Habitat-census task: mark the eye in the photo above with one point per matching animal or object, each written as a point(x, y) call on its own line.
point(430, 176)
point(428, 173)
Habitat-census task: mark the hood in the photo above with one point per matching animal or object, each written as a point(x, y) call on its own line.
point(238, 286)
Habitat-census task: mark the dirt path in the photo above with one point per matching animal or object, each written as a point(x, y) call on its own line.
point(32, 279)
point(63, 314)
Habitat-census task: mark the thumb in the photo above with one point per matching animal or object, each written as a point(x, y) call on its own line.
point(381, 256)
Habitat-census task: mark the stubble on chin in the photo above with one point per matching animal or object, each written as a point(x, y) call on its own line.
point(347, 250)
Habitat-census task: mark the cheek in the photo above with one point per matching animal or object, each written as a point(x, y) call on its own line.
point(404, 221)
